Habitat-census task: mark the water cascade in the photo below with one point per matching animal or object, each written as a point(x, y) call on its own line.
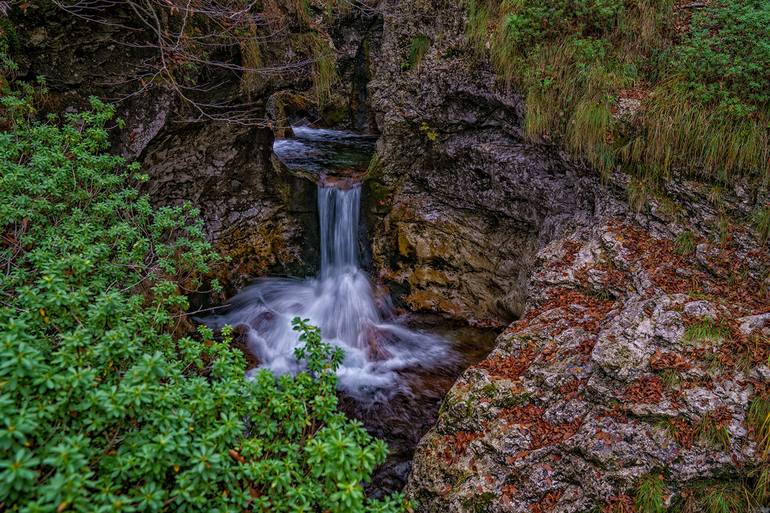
point(394, 375)
point(342, 303)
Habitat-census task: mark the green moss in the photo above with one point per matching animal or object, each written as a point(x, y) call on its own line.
point(639, 192)
point(512, 400)
point(378, 191)
point(418, 47)
point(478, 503)
point(334, 115)
point(489, 390)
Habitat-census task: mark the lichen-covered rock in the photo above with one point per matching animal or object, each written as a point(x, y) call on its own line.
point(631, 359)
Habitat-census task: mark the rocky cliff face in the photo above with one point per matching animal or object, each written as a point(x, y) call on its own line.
point(641, 342)
point(467, 201)
point(632, 360)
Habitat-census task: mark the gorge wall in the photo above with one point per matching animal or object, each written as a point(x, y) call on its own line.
point(467, 202)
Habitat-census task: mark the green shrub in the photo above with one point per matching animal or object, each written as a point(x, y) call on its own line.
point(725, 59)
point(106, 402)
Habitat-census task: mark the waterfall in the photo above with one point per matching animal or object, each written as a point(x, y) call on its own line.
point(338, 212)
point(341, 302)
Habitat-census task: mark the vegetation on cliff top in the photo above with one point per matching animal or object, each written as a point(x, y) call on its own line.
point(649, 86)
point(107, 402)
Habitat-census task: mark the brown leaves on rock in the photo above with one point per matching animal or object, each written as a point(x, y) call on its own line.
point(725, 278)
point(740, 349)
point(571, 248)
point(663, 360)
point(620, 504)
point(547, 503)
point(683, 432)
point(646, 390)
point(509, 367)
point(456, 444)
point(541, 433)
point(571, 389)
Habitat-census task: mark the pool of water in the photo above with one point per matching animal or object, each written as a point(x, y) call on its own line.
point(325, 152)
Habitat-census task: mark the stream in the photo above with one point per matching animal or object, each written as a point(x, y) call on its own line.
point(398, 365)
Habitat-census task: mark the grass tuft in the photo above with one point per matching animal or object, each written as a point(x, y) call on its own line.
point(324, 72)
point(759, 421)
point(622, 86)
point(649, 497)
point(685, 243)
point(712, 433)
point(761, 221)
point(418, 47)
point(477, 30)
point(706, 330)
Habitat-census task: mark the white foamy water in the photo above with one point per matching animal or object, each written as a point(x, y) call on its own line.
point(341, 302)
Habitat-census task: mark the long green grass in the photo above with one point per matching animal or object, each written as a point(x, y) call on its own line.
point(418, 47)
point(700, 108)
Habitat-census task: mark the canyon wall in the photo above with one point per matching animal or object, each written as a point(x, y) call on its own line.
point(463, 202)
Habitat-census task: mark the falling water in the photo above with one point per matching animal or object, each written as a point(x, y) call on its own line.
point(393, 378)
point(341, 302)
